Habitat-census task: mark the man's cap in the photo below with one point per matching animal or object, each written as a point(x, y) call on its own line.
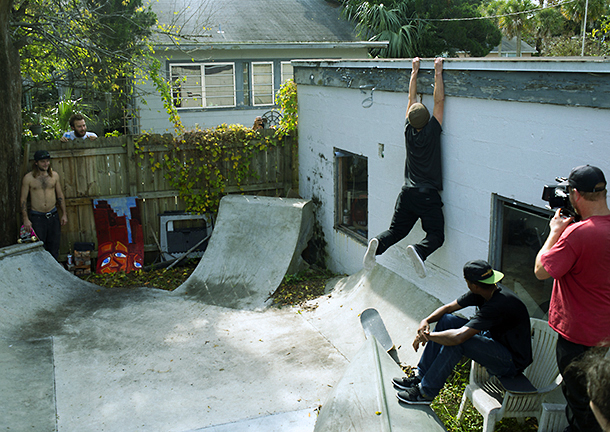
point(586, 178)
point(41, 154)
point(480, 271)
point(418, 115)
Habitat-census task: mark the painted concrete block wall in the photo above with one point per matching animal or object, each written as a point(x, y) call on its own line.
point(154, 118)
point(489, 146)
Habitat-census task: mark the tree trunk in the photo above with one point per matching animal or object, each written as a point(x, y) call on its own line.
point(10, 130)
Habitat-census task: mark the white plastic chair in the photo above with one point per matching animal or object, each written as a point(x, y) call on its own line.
point(494, 402)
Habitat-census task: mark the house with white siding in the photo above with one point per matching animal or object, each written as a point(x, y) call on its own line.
point(232, 56)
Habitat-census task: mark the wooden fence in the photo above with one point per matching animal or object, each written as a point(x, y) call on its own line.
point(109, 168)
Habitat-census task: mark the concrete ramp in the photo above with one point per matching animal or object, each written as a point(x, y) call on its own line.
point(256, 241)
point(365, 399)
point(401, 305)
point(29, 286)
point(77, 357)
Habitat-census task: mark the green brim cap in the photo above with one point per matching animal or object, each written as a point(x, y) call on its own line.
point(480, 271)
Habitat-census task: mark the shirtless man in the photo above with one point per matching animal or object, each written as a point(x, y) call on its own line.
point(43, 186)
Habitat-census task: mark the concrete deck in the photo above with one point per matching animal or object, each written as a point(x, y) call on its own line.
point(76, 357)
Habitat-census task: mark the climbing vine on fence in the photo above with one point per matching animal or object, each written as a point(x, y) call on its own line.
point(201, 163)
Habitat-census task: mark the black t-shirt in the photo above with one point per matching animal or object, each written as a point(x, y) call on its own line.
point(508, 322)
point(423, 159)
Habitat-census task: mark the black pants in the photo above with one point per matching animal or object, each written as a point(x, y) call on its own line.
point(48, 230)
point(413, 204)
point(574, 386)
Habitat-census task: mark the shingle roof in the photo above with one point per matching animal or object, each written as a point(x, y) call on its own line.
point(510, 46)
point(263, 21)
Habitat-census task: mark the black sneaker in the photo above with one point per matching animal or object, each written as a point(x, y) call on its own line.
point(413, 396)
point(405, 383)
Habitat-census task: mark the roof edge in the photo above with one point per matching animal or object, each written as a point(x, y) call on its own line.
point(512, 64)
point(273, 45)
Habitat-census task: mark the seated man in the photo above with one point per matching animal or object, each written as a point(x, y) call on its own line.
point(498, 336)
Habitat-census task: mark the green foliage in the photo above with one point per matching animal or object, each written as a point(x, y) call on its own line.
point(163, 87)
point(575, 11)
point(287, 100)
point(548, 22)
point(201, 163)
point(378, 22)
point(423, 27)
point(95, 47)
point(515, 19)
point(565, 47)
point(54, 120)
point(447, 403)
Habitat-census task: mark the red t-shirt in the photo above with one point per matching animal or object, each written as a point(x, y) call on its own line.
point(580, 264)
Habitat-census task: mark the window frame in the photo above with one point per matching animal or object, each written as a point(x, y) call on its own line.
point(253, 86)
point(283, 64)
point(204, 98)
point(345, 198)
point(500, 228)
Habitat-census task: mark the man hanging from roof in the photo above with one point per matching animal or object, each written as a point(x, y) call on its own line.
point(419, 197)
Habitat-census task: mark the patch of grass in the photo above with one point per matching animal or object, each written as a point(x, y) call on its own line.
point(447, 404)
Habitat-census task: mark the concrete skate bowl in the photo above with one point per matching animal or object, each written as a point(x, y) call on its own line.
point(77, 357)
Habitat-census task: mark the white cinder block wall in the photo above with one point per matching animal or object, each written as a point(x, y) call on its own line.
point(489, 146)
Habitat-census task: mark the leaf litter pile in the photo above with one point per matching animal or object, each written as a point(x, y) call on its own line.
point(294, 289)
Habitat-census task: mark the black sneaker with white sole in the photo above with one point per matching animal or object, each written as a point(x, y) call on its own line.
point(405, 383)
point(413, 396)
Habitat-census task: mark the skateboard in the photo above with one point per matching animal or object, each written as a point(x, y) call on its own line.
point(519, 384)
point(373, 326)
point(26, 237)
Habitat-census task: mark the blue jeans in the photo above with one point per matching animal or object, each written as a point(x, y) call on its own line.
point(413, 204)
point(437, 361)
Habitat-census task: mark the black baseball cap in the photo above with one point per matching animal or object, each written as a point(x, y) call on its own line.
point(586, 178)
point(480, 271)
point(41, 154)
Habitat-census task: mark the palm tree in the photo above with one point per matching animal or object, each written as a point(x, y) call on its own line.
point(516, 19)
point(377, 22)
point(575, 10)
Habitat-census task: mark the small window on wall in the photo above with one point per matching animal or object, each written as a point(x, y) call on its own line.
point(351, 215)
point(262, 83)
point(287, 72)
point(518, 232)
point(203, 85)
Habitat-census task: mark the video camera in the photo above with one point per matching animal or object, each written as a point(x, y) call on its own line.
point(558, 196)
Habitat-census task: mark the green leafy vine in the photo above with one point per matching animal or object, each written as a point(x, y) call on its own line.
point(200, 164)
